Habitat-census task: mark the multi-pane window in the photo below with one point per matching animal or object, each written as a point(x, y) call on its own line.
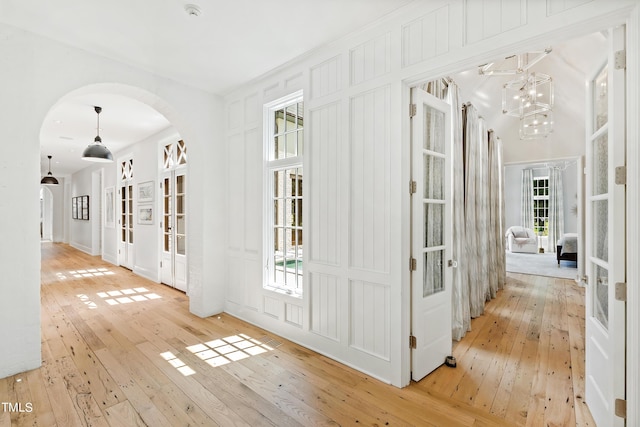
point(285, 183)
point(541, 206)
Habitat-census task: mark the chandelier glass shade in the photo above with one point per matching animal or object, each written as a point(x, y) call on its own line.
point(535, 125)
point(528, 94)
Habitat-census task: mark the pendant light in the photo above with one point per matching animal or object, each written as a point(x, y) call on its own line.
point(97, 152)
point(49, 179)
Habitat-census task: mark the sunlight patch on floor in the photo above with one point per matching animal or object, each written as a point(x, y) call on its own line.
point(221, 351)
point(88, 272)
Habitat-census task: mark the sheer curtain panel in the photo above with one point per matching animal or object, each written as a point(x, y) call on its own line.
point(556, 208)
point(526, 199)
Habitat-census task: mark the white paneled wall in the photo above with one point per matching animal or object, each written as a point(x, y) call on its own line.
point(369, 176)
point(355, 305)
point(426, 37)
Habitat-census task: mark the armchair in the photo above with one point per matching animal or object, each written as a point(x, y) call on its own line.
point(521, 239)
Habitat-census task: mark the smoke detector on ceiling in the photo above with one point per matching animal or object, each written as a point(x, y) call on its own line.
point(192, 10)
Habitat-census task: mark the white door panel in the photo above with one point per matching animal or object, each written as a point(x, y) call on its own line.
point(431, 231)
point(605, 239)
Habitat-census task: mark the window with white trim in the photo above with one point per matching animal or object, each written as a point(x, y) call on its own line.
point(284, 180)
point(541, 205)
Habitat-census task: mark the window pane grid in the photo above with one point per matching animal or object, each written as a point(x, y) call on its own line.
point(286, 231)
point(541, 206)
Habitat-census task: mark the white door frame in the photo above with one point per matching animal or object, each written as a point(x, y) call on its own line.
point(632, 20)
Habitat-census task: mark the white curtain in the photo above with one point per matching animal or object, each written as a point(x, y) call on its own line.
point(461, 316)
point(497, 261)
point(526, 199)
point(556, 208)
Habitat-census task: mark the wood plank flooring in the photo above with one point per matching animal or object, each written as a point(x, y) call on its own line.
point(119, 350)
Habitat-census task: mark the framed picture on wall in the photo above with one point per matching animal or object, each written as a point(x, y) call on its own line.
point(145, 192)
point(145, 214)
point(109, 207)
point(74, 208)
point(85, 208)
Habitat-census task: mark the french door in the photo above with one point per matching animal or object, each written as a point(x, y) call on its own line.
point(431, 234)
point(125, 222)
point(174, 217)
point(605, 231)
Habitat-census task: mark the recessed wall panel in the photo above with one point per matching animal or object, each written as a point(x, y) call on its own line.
point(253, 154)
point(370, 316)
point(369, 192)
point(326, 78)
point(273, 307)
point(235, 115)
point(426, 37)
point(251, 109)
point(324, 305)
point(558, 6)
point(293, 314)
point(488, 18)
point(326, 153)
point(235, 289)
point(235, 157)
point(370, 60)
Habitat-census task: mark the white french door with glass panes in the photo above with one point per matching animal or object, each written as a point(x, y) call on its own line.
point(173, 271)
point(605, 231)
point(125, 222)
point(431, 234)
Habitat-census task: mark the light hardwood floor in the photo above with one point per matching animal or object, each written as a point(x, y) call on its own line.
point(119, 350)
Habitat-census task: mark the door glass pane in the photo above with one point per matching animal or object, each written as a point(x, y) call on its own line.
point(600, 165)
point(433, 224)
point(433, 177)
point(180, 224)
point(180, 184)
point(434, 130)
point(601, 297)
point(600, 100)
point(600, 229)
point(433, 273)
point(180, 245)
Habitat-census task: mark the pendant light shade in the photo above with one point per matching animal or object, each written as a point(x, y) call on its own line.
point(49, 179)
point(97, 152)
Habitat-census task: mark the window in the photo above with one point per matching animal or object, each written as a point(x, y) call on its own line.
point(541, 206)
point(284, 180)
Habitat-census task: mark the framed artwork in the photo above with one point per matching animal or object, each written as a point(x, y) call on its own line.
point(85, 207)
point(74, 208)
point(145, 214)
point(109, 207)
point(145, 192)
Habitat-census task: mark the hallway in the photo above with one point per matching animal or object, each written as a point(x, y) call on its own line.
point(121, 350)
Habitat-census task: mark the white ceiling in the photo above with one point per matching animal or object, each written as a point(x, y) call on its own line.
point(230, 43)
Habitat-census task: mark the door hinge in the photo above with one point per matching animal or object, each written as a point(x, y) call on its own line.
point(413, 264)
point(621, 408)
point(413, 187)
point(620, 60)
point(621, 291)
point(413, 342)
point(413, 110)
point(621, 175)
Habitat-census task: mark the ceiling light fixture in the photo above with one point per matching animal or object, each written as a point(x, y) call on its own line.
point(97, 152)
point(192, 10)
point(49, 179)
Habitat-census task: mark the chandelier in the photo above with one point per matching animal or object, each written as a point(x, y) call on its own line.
point(529, 96)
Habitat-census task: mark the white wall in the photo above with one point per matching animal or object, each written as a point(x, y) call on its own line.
point(513, 193)
point(355, 305)
point(31, 87)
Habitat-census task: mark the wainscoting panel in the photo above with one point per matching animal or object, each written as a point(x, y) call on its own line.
point(252, 109)
point(426, 37)
point(324, 305)
point(370, 308)
point(252, 282)
point(556, 6)
point(370, 60)
point(253, 153)
point(326, 78)
point(487, 18)
point(235, 117)
point(235, 288)
point(293, 314)
point(273, 307)
point(235, 156)
point(369, 184)
point(324, 178)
